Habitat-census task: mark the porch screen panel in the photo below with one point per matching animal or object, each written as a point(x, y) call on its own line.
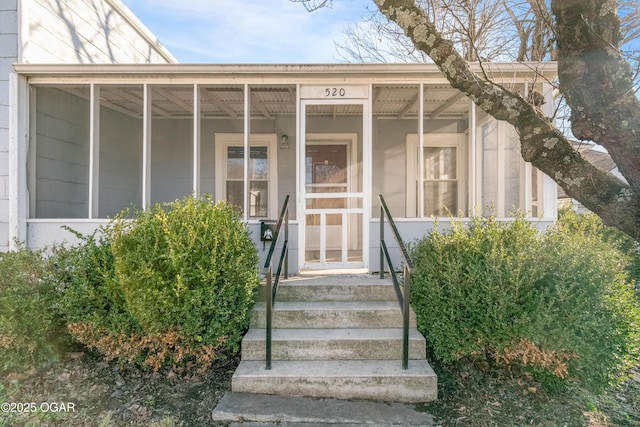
point(395, 114)
point(59, 155)
point(221, 111)
point(489, 168)
point(512, 164)
point(171, 142)
point(442, 163)
point(500, 169)
point(120, 160)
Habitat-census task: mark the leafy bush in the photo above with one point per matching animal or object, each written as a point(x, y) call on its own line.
point(557, 304)
point(32, 332)
point(86, 277)
point(591, 224)
point(174, 284)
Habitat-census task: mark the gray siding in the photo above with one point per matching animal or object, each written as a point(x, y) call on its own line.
point(8, 55)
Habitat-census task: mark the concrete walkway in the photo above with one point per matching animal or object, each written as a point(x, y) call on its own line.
point(244, 410)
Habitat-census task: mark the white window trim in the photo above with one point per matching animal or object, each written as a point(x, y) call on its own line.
point(224, 140)
point(457, 140)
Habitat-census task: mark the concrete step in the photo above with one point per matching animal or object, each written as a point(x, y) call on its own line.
point(368, 288)
point(306, 315)
point(333, 344)
point(382, 380)
point(269, 410)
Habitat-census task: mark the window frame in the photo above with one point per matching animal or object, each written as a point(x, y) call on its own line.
point(225, 140)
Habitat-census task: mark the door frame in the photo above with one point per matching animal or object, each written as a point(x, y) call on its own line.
point(364, 195)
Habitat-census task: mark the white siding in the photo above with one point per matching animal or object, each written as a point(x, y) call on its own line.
point(87, 31)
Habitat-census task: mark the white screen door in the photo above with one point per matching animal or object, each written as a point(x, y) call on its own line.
point(332, 185)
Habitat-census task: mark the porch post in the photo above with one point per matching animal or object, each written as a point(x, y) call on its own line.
point(94, 151)
point(196, 140)
point(525, 175)
point(421, 152)
point(18, 114)
point(473, 190)
point(247, 132)
point(146, 148)
point(550, 188)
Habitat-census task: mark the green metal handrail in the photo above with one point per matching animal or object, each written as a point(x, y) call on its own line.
point(403, 295)
point(272, 285)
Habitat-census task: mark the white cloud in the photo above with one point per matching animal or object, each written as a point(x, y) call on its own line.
point(247, 31)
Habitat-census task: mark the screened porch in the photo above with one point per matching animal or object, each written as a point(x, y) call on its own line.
point(332, 137)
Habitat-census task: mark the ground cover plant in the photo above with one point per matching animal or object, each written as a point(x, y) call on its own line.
point(557, 306)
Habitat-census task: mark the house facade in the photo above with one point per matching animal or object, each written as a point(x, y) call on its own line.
point(88, 140)
point(61, 31)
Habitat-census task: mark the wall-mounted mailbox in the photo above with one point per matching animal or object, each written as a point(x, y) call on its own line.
point(267, 230)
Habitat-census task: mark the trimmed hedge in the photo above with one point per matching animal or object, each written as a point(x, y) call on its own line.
point(558, 304)
point(172, 285)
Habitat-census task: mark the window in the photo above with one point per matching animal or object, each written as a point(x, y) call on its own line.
point(442, 177)
point(440, 180)
point(230, 152)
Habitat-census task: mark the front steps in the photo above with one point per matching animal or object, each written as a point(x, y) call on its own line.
point(337, 337)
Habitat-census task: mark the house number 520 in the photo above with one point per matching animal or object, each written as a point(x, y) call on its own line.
point(331, 92)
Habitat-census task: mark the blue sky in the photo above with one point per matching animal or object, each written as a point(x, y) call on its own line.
point(248, 31)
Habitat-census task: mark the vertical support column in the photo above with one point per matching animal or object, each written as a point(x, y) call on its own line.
point(31, 147)
point(146, 147)
point(473, 190)
point(525, 176)
point(94, 152)
point(502, 168)
point(18, 115)
point(300, 184)
point(367, 184)
point(421, 152)
point(550, 188)
point(247, 153)
point(196, 140)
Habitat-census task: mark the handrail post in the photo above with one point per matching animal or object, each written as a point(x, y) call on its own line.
point(286, 239)
point(272, 287)
point(269, 302)
point(404, 294)
point(381, 240)
point(405, 318)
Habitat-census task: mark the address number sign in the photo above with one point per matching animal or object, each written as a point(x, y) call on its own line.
point(334, 92)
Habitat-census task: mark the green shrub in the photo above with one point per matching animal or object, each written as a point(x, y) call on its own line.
point(170, 285)
point(85, 276)
point(32, 332)
point(556, 304)
point(591, 225)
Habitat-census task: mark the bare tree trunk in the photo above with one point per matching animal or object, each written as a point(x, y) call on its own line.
point(541, 143)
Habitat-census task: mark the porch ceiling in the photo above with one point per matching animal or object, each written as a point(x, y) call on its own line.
point(268, 101)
